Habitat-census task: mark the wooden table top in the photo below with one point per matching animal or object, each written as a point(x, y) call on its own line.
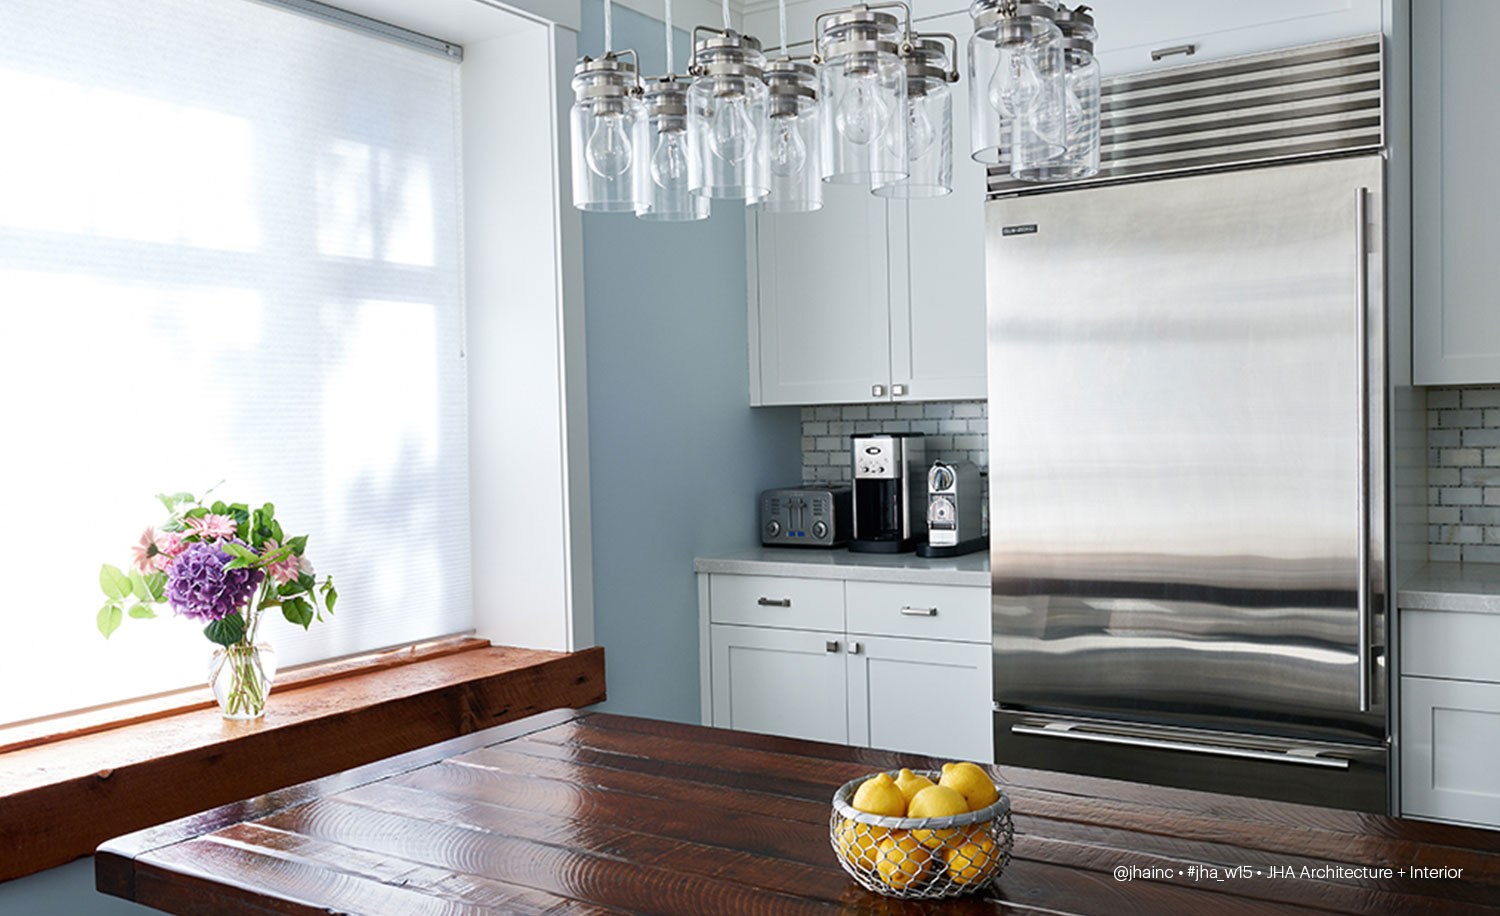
point(599, 815)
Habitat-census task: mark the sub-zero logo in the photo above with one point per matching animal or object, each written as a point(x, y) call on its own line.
point(1024, 229)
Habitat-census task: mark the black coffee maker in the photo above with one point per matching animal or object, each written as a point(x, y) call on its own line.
point(890, 492)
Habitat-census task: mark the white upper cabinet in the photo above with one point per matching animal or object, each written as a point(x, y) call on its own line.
point(1131, 31)
point(1455, 197)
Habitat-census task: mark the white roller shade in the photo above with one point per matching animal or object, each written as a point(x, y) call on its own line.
point(230, 248)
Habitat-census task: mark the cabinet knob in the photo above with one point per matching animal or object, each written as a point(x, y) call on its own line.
point(898, 391)
point(877, 391)
point(831, 645)
point(854, 648)
point(774, 602)
point(919, 611)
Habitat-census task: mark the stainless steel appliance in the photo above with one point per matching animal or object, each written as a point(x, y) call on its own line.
point(954, 516)
point(890, 492)
point(1187, 376)
point(806, 516)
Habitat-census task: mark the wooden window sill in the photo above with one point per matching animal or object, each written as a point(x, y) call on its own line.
point(70, 784)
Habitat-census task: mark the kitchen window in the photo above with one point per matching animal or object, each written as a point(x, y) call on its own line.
point(230, 249)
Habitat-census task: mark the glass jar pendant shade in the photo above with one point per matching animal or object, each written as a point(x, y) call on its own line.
point(727, 115)
point(928, 109)
point(863, 88)
point(608, 131)
point(1016, 82)
point(670, 162)
point(796, 175)
point(1079, 157)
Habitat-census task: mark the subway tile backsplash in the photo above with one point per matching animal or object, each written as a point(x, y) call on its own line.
point(1463, 474)
point(954, 430)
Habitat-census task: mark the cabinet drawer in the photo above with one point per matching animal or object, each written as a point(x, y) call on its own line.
point(774, 601)
point(953, 612)
point(1450, 738)
point(1450, 644)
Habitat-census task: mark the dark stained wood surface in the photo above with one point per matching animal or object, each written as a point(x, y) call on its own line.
point(578, 813)
point(61, 799)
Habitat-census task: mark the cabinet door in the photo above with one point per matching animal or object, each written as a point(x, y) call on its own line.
point(937, 270)
point(780, 682)
point(922, 696)
point(1455, 198)
point(1450, 739)
point(1129, 30)
point(821, 300)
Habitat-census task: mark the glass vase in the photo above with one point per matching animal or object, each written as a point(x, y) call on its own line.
point(241, 676)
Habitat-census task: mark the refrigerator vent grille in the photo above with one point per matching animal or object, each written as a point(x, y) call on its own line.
point(1297, 103)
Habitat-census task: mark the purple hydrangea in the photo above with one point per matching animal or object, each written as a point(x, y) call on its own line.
point(199, 586)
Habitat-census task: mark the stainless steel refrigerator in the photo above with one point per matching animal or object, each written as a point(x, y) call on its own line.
point(1187, 363)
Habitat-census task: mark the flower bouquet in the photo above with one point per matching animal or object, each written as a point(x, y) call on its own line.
point(223, 565)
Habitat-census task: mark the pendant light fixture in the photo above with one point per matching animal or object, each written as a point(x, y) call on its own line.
point(1016, 82)
point(608, 128)
point(672, 167)
point(863, 86)
point(1079, 157)
point(795, 154)
point(727, 114)
point(928, 116)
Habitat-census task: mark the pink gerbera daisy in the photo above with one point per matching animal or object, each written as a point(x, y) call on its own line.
point(150, 555)
point(285, 569)
point(211, 526)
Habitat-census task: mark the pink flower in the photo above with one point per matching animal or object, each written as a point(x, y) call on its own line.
point(285, 569)
point(150, 554)
point(171, 544)
point(212, 526)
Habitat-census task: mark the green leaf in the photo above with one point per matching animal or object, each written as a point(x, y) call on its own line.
point(331, 596)
point(240, 550)
point(277, 554)
point(297, 611)
point(142, 612)
point(219, 508)
point(276, 532)
point(156, 584)
point(267, 513)
point(239, 563)
point(289, 589)
point(226, 631)
point(108, 619)
point(306, 581)
point(195, 512)
point(116, 585)
point(138, 586)
point(298, 544)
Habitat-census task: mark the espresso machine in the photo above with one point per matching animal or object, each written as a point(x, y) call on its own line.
point(890, 492)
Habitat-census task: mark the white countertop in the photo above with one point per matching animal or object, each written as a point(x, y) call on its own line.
point(1471, 587)
point(813, 563)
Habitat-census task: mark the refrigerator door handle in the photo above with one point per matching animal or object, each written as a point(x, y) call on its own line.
point(1297, 755)
point(1362, 428)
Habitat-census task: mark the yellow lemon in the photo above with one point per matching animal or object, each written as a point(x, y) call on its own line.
point(936, 801)
point(857, 845)
point(972, 782)
point(901, 860)
point(910, 783)
point(970, 862)
point(879, 795)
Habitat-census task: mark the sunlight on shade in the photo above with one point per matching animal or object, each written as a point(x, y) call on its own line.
point(371, 199)
point(168, 173)
point(381, 402)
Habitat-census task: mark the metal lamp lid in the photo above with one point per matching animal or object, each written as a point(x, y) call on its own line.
point(990, 12)
point(926, 60)
point(666, 99)
point(858, 30)
point(728, 53)
point(790, 80)
point(1077, 27)
point(605, 77)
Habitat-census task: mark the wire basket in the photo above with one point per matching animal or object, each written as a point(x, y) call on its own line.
point(921, 858)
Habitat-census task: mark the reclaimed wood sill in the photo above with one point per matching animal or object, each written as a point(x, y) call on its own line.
point(63, 795)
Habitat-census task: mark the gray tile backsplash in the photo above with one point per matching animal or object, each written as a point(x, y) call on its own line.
point(1463, 474)
point(954, 430)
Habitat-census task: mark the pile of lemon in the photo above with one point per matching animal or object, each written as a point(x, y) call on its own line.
point(903, 858)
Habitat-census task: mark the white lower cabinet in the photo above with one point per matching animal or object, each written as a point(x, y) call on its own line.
point(1450, 716)
point(872, 682)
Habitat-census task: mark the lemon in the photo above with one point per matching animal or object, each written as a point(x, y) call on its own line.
point(901, 860)
point(968, 863)
point(857, 845)
point(910, 783)
point(971, 782)
point(936, 801)
point(879, 795)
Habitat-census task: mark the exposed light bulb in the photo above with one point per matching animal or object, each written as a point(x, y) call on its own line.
point(1015, 84)
point(861, 114)
point(669, 164)
point(731, 134)
point(608, 150)
point(920, 132)
point(788, 150)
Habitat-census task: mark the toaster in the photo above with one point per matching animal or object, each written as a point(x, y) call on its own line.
point(806, 516)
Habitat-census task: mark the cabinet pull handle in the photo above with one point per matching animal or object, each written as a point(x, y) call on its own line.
point(898, 391)
point(774, 602)
point(919, 611)
point(831, 645)
point(1184, 50)
point(877, 391)
point(1362, 434)
point(854, 648)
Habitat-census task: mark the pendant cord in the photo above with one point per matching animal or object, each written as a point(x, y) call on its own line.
point(781, 12)
point(609, 28)
point(726, 15)
point(670, 71)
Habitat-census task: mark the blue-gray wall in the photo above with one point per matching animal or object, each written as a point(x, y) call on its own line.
point(67, 890)
point(676, 455)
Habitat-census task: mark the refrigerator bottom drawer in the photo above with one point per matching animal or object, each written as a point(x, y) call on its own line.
point(1352, 777)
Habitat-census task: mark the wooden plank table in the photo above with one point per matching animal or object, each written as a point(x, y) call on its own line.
point(600, 815)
